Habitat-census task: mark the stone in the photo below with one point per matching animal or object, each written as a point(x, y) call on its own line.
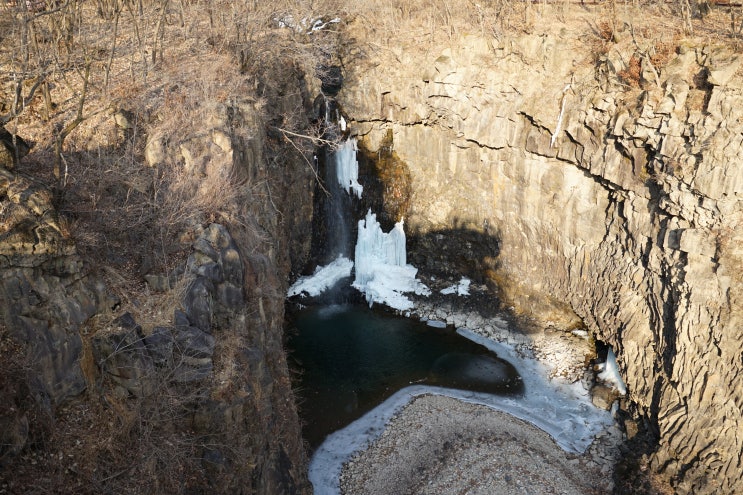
point(722, 71)
point(154, 150)
point(12, 149)
point(198, 303)
point(13, 435)
point(193, 342)
point(160, 345)
point(193, 350)
point(603, 397)
point(627, 234)
point(124, 119)
point(121, 354)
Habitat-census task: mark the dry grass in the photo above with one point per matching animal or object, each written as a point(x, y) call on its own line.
point(172, 66)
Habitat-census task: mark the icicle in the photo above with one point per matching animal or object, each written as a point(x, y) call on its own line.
point(558, 127)
point(611, 375)
point(347, 168)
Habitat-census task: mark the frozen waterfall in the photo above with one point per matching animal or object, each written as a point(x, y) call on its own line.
point(382, 272)
point(347, 168)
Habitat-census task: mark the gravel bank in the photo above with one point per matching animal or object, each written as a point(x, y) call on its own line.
point(440, 445)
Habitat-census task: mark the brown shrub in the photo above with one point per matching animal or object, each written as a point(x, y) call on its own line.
point(632, 74)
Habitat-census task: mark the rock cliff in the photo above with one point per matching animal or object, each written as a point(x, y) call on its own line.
point(179, 386)
point(602, 181)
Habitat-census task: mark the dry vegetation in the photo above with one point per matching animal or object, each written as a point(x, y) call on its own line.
point(90, 82)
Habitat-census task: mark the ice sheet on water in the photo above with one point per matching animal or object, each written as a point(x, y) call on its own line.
point(562, 410)
point(382, 272)
point(347, 168)
point(436, 323)
point(323, 278)
point(461, 289)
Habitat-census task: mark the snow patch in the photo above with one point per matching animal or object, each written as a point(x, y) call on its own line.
point(323, 278)
point(382, 272)
point(347, 169)
point(306, 25)
point(461, 289)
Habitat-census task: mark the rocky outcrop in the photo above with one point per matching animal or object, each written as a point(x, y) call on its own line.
point(45, 293)
point(607, 194)
point(192, 365)
point(46, 297)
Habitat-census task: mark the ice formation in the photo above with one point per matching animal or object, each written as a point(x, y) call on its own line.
point(382, 272)
point(347, 167)
point(462, 288)
point(323, 278)
point(610, 373)
point(561, 409)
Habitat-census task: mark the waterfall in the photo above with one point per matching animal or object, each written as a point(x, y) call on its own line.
point(347, 168)
point(380, 259)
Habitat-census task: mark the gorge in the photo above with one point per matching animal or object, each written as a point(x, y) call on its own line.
point(582, 169)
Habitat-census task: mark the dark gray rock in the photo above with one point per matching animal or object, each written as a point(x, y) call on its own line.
point(198, 303)
point(181, 319)
point(192, 354)
point(211, 271)
point(121, 354)
point(160, 346)
point(193, 342)
point(230, 296)
point(126, 321)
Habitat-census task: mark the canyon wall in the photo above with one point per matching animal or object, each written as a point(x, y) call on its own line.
point(179, 385)
point(610, 182)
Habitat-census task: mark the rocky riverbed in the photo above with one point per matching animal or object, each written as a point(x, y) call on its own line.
point(438, 444)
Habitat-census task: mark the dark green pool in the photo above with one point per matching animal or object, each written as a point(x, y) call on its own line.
point(349, 358)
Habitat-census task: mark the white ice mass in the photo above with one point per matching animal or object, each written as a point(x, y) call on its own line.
point(323, 278)
point(461, 289)
point(347, 168)
point(382, 272)
point(610, 373)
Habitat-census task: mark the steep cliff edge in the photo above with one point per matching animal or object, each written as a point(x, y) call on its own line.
point(607, 173)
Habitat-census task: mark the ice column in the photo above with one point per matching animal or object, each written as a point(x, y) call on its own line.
point(347, 168)
point(382, 272)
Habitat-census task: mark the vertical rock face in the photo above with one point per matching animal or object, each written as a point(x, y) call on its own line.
point(204, 381)
point(45, 294)
point(616, 200)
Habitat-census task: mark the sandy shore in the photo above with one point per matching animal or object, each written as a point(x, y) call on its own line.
point(440, 445)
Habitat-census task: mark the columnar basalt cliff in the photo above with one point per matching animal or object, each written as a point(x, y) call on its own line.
point(611, 182)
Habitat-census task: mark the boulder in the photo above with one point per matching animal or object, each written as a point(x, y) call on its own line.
point(121, 354)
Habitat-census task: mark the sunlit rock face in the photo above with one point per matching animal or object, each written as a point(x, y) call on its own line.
point(612, 202)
